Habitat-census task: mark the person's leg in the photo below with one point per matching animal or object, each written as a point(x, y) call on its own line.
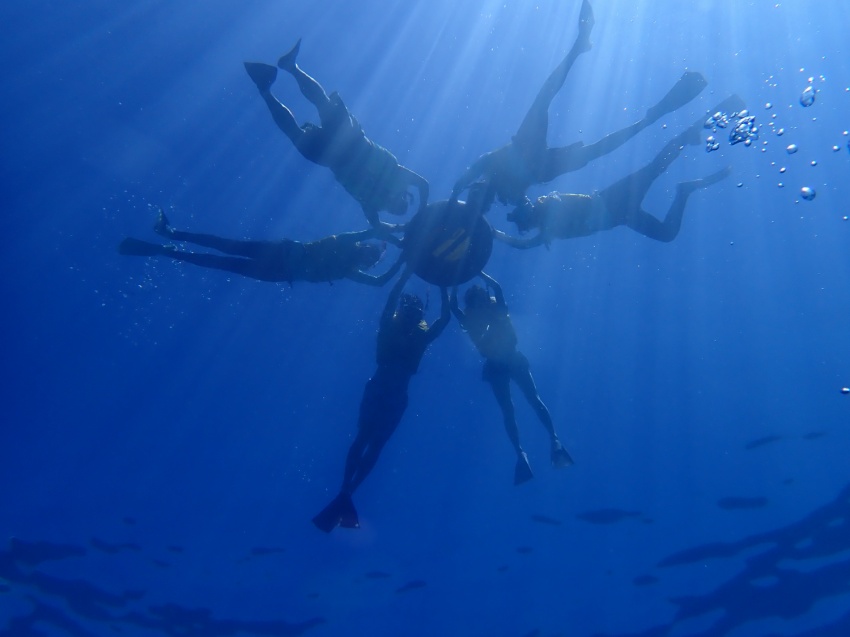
point(268, 251)
point(309, 87)
point(380, 414)
point(531, 135)
point(353, 462)
point(667, 230)
point(521, 375)
point(237, 265)
point(499, 381)
point(575, 156)
point(623, 198)
point(263, 76)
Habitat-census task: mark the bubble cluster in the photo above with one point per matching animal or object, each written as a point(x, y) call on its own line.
point(745, 129)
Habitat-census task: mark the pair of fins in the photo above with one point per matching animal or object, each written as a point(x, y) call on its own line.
point(264, 75)
point(522, 471)
point(340, 512)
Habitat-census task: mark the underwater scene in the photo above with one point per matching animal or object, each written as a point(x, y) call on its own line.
point(487, 319)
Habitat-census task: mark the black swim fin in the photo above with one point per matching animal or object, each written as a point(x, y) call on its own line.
point(522, 470)
point(687, 88)
point(340, 512)
point(139, 248)
point(263, 75)
point(560, 457)
point(287, 61)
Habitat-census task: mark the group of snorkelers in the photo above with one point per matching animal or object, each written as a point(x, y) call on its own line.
point(374, 177)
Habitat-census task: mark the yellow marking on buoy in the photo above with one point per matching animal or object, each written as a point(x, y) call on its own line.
point(458, 252)
point(449, 243)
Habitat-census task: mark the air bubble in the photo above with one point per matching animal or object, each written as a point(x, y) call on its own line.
point(807, 98)
point(807, 193)
point(792, 148)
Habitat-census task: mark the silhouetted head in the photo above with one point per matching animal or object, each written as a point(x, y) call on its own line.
point(368, 254)
point(410, 309)
point(524, 216)
point(476, 296)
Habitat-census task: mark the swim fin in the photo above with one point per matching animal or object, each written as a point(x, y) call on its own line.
point(522, 471)
point(287, 61)
point(687, 88)
point(560, 457)
point(138, 248)
point(340, 512)
point(162, 226)
point(263, 75)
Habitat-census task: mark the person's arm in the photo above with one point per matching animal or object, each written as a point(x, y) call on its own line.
point(357, 236)
point(439, 325)
point(394, 296)
point(497, 289)
point(420, 183)
point(516, 242)
point(479, 167)
point(455, 308)
point(370, 279)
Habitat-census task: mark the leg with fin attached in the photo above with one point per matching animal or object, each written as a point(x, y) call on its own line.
point(263, 75)
point(340, 512)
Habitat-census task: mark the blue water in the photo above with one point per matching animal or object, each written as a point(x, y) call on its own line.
point(169, 431)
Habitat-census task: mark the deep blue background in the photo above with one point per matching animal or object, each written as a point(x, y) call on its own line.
point(186, 418)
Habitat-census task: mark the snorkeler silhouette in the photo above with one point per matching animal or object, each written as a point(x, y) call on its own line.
point(527, 160)
point(341, 256)
point(403, 337)
point(370, 173)
point(486, 320)
point(567, 216)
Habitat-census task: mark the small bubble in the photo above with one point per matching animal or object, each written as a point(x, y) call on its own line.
point(782, 170)
point(740, 184)
point(768, 106)
point(845, 390)
point(792, 148)
point(814, 162)
point(807, 98)
point(781, 185)
point(835, 149)
point(807, 193)
point(780, 132)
